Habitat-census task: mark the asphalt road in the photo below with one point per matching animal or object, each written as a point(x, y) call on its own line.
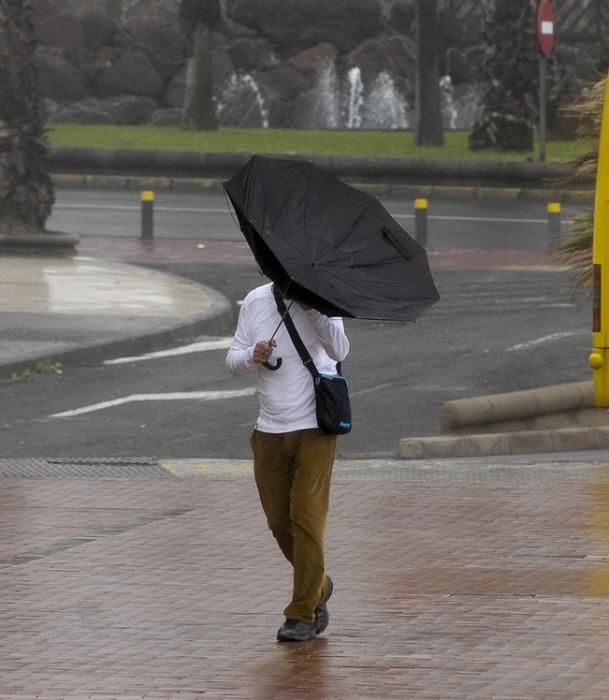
point(461, 223)
point(504, 323)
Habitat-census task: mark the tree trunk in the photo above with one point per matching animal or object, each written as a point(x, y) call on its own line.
point(510, 78)
point(26, 190)
point(199, 111)
point(428, 107)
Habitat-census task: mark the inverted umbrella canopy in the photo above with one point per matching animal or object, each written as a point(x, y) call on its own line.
point(327, 244)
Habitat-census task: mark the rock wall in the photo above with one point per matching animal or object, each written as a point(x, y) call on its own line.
point(276, 63)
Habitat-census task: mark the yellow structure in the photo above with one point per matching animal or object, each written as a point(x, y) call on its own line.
point(599, 358)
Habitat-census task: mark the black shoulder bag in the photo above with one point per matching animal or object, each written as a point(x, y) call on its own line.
point(332, 405)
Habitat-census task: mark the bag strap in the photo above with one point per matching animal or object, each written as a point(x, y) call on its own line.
point(305, 356)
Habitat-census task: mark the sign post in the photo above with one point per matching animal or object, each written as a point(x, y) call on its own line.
point(545, 42)
point(599, 357)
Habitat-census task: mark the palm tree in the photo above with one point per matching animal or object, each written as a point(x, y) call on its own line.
point(428, 126)
point(509, 77)
point(576, 248)
point(199, 18)
point(26, 190)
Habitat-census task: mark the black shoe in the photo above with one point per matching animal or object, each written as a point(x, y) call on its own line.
point(296, 631)
point(322, 616)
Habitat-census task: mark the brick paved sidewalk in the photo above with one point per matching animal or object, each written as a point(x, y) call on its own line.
point(454, 580)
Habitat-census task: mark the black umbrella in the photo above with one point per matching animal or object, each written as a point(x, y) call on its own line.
point(327, 244)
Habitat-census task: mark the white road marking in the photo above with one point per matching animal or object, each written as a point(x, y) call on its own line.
point(541, 341)
point(176, 396)
point(132, 207)
point(200, 346)
point(487, 219)
point(371, 389)
point(213, 210)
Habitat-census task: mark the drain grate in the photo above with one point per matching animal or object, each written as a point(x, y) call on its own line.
point(83, 468)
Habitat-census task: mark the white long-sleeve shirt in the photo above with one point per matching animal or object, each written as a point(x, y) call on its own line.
point(286, 396)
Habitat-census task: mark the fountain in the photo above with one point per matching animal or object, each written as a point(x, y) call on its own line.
point(241, 103)
point(325, 109)
point(459, 105)
point(340, 103)
point(449, 113)
point(385, 108)
point(355, 98)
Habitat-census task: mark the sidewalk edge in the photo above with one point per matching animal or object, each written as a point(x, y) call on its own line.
point(217, 320)
point(518, 442)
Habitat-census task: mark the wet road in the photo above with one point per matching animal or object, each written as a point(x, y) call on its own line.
point(508, 320)
point(452, 223)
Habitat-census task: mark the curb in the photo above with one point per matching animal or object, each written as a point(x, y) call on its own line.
point(467, 414)
point(50, 243)
point(520, 442)
point(188, 184)
point(519, 422)
point(139, 162)
point(215, 321)
point(417, 177)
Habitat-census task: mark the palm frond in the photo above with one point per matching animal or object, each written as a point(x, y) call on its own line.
point(575, 249)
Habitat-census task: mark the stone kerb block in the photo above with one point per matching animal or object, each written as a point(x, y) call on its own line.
point(445, 446)
point(565, 397)
point(464, 412)
point(574, 439)
point(602, 438)
point(531, 441)
point(464, 415)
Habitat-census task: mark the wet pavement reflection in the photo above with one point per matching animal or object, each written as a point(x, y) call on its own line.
point(494, 586)
point(82, 285)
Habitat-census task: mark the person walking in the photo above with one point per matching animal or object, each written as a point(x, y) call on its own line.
point(293, 458)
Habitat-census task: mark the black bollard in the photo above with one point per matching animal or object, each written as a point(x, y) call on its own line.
point(147, 199)
point(553, 225)
point(420, 221)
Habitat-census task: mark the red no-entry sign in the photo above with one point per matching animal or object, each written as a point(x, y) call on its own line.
point(545, 28)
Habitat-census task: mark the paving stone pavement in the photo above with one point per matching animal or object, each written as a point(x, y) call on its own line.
point(454, 579)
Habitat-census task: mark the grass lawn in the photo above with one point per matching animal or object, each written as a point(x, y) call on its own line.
point(379, 144)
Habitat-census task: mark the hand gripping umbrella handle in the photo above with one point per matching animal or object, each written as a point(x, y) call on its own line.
point(277, 364)
point(274, 367)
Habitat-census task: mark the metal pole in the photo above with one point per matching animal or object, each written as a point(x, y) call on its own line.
point(420, 221)
point(553, 224)
point(542, 107)
point(147, 199)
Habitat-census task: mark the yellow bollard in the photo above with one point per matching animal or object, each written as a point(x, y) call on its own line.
point(420, 221)
point(147, 200)
point(554, 231)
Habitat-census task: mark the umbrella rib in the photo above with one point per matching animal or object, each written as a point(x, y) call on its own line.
point(338, 244)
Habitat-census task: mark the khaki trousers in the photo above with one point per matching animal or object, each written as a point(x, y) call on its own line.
point(293, 473)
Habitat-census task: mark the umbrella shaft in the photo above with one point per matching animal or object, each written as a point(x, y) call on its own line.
point(280, 322)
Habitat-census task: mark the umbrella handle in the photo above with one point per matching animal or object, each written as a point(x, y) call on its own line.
point(274, 367)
